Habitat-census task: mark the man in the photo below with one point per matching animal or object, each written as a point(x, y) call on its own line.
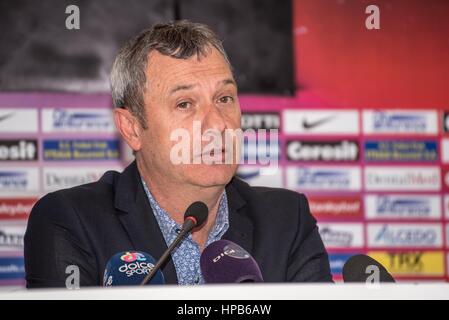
point(169, 78)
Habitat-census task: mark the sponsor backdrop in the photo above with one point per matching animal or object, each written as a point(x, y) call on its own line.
point(372, 156)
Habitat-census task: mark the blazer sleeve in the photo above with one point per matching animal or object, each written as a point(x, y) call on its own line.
point(308, 259)
point(54, 240)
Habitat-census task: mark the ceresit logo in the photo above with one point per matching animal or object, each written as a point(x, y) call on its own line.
point(413, 263)
point(16, 208)
point(261, 176)
point(341, 235)
point(342, 207)
point(403, 206)
point(323, 151)
point(18, 150)
point(405, 235)
point(133, 256)
point(409, 178)
point(15, 120)
point(18, 180)
point(11, 236)
point(324, 178)
point(401, 151)
point(400, 121)
point(319, 122)
point(260, 120)
point(64, 177)
point(77, 120)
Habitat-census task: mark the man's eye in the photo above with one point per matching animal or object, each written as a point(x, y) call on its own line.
point(183, 105)
point(226, 99)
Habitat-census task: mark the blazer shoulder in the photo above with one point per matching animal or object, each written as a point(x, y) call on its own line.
point(55, 205)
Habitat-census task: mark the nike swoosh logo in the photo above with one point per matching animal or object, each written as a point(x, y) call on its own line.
point(6, 116)
point(312, 124)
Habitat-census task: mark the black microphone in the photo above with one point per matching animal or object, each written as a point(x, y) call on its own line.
point(358, 269)
point(196, 214)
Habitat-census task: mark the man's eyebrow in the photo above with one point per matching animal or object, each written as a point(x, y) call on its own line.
point(228, 81)
point(190, 86)
point(181, 87)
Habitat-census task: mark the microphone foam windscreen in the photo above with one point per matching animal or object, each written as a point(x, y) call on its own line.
point(359, 267)
point(130, 268)
point(199, 211)
point(224, 261)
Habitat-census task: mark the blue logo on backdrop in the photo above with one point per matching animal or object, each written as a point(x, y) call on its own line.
point(12, 268)
point(425, 151)
point(98, 149)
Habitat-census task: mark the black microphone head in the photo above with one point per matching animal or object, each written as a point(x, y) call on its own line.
point(197, 210)
point(359, 267)
point(224, 261)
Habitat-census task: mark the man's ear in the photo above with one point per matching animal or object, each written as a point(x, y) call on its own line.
point(129, 127)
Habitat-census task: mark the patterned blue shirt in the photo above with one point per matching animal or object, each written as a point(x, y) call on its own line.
point(186, 256)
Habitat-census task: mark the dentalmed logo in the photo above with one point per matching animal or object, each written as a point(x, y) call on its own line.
point(403, 206)
point(261, 176)
point(15, 120)
point(409, 178)
point(405, 235)
point(324, 178)
point(77, 120)
point(341, 235)
point(400, 121)
point(18, 180)
point(66, 177)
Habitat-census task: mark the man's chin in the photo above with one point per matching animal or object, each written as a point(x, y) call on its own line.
point(212, 175)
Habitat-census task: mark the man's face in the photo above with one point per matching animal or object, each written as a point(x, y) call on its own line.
point(180, 92)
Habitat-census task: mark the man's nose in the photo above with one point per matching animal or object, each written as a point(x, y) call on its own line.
point(214, 119)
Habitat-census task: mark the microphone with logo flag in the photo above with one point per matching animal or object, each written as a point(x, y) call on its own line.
point(130, 268)
point(362, 268)
point(224, 261)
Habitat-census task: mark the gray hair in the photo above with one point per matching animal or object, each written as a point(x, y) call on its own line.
point(180, 39)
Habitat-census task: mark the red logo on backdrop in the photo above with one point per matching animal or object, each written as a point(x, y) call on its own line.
point(336, 207)
point(17, 209)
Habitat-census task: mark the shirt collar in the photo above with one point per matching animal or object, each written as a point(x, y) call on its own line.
point(170, 228)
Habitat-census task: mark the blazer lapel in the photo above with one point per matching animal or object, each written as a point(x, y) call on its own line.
point(240, 228)
point(138, 219)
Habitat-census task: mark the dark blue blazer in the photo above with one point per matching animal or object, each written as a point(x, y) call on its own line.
point(86, 225)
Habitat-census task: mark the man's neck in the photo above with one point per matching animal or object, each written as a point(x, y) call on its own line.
point(175, 199)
